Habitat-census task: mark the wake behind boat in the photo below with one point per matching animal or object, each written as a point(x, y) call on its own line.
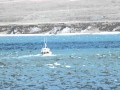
point(45, 51)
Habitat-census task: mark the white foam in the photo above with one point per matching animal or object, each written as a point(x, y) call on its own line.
point(83, 65)
point(47, 55)
point(98, 54)
point(53, 65)
point(34, 55)
point(57, 64)
point(67, 66)
point(26, 56)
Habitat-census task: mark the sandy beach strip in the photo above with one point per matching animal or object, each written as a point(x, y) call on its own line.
point(62, 34)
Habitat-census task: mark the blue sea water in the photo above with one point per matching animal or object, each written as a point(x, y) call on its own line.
point(79, 62)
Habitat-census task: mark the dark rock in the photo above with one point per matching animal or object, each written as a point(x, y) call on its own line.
point(89, 27)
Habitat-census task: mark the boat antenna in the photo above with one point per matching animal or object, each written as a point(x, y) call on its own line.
point(45, 42)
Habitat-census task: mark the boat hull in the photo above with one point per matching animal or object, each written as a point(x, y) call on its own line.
point(48, 54)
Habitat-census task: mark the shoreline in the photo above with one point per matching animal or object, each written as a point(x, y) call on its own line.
point(63, 34)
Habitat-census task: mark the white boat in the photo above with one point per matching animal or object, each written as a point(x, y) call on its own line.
point(45, 51)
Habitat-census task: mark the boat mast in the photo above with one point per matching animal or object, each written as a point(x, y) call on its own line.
point(45, 43)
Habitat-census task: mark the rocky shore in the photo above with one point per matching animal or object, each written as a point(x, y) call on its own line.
point(60, 28)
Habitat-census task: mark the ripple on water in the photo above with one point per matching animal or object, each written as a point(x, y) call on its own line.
point(80, 72)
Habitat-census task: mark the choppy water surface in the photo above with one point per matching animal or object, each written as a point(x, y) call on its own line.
point(82, 62)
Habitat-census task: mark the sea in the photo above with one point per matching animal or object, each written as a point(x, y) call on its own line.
point(78, 62)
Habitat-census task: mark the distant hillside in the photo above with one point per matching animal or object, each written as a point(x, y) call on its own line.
point(44, 11)
point(59, 28)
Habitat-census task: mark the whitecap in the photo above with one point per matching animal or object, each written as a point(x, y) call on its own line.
point(57, 64)
point(83, 65)
point(49, 64)
point(79, 57)
point(47, 55)
point(33, 55)
point(98, 54)
point(52, 67)
point(27, 56)
point(53, 64)
point(67, 66)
